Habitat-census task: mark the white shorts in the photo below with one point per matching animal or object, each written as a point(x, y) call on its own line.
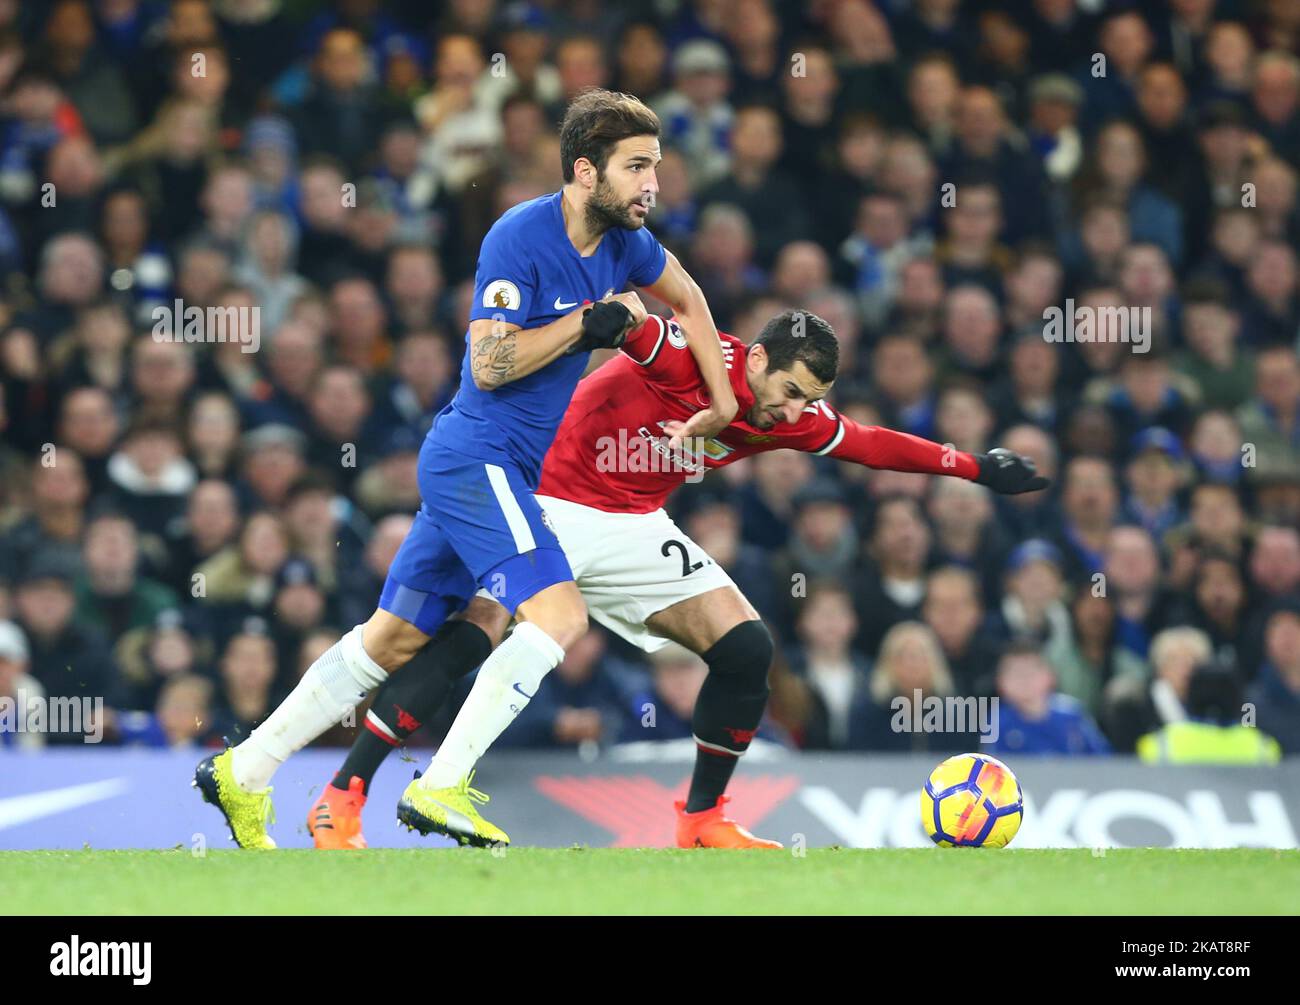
point(629, 566)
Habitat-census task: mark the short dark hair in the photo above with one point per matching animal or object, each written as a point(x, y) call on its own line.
point(800, 336)
point(597, 121)
point(1214, 693)
point(1021, 645)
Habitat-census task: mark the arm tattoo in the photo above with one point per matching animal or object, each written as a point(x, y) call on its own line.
point(493, 361)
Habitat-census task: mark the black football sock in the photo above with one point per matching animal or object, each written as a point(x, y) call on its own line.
point(728, 710)
point(412, 695)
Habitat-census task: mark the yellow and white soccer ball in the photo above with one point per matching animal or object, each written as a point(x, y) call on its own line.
point(972, 801)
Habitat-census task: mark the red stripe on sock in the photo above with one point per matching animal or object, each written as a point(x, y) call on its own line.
point(381, 734)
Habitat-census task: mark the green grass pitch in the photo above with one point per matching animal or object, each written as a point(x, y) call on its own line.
point(651, 881)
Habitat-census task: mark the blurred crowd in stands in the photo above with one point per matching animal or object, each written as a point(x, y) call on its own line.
point(184, 527)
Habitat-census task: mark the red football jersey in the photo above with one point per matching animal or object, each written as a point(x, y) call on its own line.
point(611, 452)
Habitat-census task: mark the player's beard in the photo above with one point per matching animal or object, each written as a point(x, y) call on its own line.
point(606, 210)
point(760, 418)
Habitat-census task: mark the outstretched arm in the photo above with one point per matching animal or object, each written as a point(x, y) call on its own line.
point(876, 447)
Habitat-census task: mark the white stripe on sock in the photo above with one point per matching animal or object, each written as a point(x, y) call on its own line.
point(380, 725)
point(718, 747)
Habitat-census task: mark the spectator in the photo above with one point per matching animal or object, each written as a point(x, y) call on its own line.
point(423, 383)
point(1033, 604)
point(162, 377)
point(1132, 575)
point(320, 530)
point(911, 668)
point(150, 476)
point(904, 377)
point(248, 670)
point(112, 596)
point(823, 541)
point(1090, 504)
point(458, 115)
point(268, 272)
point(414, 286)
point(1275, 97)
point(985, 145)
point(872, 256)
point(1117, 175)
point(834, 673)
point(1088, 660)
point(93, 82)
point(338, 116)
point(1033, 718)
point(971, 252)
point(273, 460)
point(1054, 101)
point(891, 589)
point(55, 517)
point(19, 691)
point(1276, 692)
point(242, 575)
point(770, 198)
point(662, 711)
point(966, 531)
point(182, 719)
point(724, 248)
point(1155, 476)
point(324, 250)
point(1214, 732)
point(1133, 707)
point(1272, 418)
point(1031, 514)
point(1126, 43)
point(695, 114)
point(1212, 358)
point(808, 110)
point(1218, 605)
point(212, 435)
point(955, 614)
point(68, 659)
point(294, 358)
point(152, 657)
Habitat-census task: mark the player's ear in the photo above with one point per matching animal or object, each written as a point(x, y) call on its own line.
point(756, 359)
point(585, 172)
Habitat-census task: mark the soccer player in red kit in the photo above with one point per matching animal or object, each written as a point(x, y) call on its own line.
point(603, 486)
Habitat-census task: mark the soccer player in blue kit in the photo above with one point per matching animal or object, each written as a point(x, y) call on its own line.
point(546, 294)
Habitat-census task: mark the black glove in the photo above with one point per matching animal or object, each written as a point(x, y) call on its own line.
point(1008, 473)
point(604, 326)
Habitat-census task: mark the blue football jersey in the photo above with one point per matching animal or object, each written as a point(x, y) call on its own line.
point(530, 274)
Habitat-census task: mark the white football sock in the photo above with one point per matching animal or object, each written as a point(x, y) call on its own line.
point(505, 683)
point(332, 686)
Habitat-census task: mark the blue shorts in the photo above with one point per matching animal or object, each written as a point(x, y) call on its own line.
point(479, 527)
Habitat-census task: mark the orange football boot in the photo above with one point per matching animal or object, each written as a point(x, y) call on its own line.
point(335, 820)
point(710, 829)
